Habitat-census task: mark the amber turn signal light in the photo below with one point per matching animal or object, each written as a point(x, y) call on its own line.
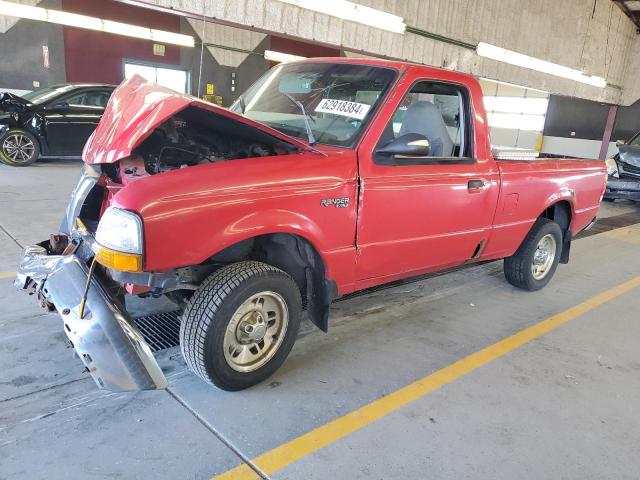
point(126, 262)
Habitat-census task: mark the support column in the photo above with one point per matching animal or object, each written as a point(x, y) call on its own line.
point(608, 130)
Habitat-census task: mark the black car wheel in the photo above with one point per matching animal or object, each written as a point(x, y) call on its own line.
point(19, 148)
point(535, 262)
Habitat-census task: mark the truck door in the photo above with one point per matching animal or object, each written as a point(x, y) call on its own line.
point(422, 212)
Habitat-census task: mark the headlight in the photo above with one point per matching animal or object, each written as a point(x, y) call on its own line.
point(119, 238)
point(612, 167)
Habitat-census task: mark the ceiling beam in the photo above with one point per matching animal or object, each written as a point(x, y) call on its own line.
point(634, 16)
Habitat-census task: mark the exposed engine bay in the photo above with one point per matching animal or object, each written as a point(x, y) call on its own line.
point(194, 137)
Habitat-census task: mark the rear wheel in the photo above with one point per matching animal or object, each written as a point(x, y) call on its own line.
point(535, 262)
point(241, 324)
point(18, 148)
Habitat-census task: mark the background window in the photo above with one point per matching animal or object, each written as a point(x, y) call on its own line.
point(516, 114)
point(167, 77)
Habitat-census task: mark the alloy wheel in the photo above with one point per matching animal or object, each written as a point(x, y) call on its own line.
point(18, 148)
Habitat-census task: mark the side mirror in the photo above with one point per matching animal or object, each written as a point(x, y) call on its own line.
point(408, 145)
point(619, 143)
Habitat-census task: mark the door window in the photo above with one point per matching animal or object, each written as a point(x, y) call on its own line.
point(172, 78)
point(438, 111)
point(75, 100)
point(92, 98)
point(97, 98)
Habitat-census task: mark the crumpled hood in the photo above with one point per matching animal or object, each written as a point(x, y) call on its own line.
point(10, 102)
point(137, 107)
point(629, 154)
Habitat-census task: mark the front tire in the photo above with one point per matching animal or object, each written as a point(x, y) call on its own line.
point(18, 148)
point(535, 262)
point(240, 325)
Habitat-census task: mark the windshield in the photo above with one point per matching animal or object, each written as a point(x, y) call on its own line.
point(635, 141)
point(46, 93)
point(338, 99)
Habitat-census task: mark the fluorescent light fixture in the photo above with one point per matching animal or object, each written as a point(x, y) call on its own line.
point(353, 12)
point(93, 23)
point(281, 57)
point(532, 63)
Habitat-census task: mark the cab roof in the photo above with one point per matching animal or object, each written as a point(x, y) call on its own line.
point(395, 64)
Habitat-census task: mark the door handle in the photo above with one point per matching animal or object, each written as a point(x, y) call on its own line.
point(475, 186)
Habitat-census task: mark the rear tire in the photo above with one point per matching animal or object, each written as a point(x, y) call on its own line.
point(535, 262)
point(240, 325)
point(18, 148)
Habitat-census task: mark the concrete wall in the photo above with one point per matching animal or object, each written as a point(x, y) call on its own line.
point(21, 57)
point(631, 85)
point(238, 51)
point(247, 67)
point(627, 122)
point(576, 147)
point(592, 36)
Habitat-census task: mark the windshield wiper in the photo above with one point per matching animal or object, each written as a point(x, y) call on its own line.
point(307, 125)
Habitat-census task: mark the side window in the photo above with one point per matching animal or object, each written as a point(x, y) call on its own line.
point(440, 112)
point(97, 98)
point(91, 98)
point(75, 100)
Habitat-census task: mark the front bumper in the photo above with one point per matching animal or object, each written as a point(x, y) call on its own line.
point(105, 338)
point(622, 188)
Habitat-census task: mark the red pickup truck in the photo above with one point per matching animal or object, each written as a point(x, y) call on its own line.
point(326, 177)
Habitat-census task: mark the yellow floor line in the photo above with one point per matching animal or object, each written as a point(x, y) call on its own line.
point(300, 447)
point(7, 275)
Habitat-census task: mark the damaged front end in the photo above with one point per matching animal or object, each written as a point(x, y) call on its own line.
point(98, 254)
point(59, 273)
point(12, 103)
point(624, 174)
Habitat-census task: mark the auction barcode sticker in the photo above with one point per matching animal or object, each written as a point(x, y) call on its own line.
point(343, 107)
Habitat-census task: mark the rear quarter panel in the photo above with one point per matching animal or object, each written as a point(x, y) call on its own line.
point(529, 187)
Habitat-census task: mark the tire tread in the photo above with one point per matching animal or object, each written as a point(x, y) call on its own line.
point(203, 306)
point(517, 268)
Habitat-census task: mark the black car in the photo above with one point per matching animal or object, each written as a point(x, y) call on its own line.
point(624, 172)
point(53, 121)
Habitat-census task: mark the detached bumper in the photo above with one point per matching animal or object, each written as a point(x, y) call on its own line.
point(105, 339)
point(622, 188)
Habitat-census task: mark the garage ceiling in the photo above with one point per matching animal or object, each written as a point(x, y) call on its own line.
point(632, 10)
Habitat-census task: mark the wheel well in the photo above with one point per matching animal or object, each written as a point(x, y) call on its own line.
point(560, 213)
point(296, 256)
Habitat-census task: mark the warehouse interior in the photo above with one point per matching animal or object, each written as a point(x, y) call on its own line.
point(401, 369)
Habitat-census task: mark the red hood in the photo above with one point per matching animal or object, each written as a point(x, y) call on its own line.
point(137, 107)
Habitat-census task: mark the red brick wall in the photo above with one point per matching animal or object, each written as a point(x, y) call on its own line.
point(92, 56)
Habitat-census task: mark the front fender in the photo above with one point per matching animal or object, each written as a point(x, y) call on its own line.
point(271, 221)
point(192, 213)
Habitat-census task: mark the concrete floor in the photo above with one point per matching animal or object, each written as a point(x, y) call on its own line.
point(566, 405)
